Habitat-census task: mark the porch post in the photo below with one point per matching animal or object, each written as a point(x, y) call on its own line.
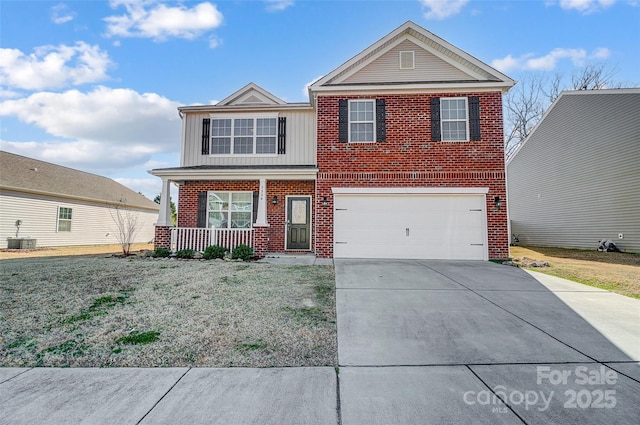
point(261, 219)
point(164, 215)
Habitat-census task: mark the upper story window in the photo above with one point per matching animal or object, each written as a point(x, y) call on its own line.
point(64, 219)
point(362, 121)
point(454, 119)
point(244, 136)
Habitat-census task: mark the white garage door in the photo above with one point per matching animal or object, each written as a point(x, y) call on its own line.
point(411, 226)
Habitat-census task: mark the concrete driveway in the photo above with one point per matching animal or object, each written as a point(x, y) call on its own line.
point(476, 342)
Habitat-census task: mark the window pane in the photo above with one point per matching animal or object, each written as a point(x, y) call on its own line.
point(218, 219)
point(454, 130)
point(220, 145)
point(64, 226)
point(243, 127)
point(64, 213)
point(266, 145)
point(220, 128)
point(266, 127)
point(241, 201)
point(362, 132)
point(241, 220)
point(218, 201)
point(243, 145)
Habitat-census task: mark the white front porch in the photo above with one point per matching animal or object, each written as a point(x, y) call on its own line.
point(198, 238)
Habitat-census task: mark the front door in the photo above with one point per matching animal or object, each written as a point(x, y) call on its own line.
point(298, 222)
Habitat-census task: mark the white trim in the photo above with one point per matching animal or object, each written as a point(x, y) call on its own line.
point(410, 190)
point(251, 87)
point(229, 211)
point(243, 116)
point(58, 219)
point(236, 174)
point(286, 214)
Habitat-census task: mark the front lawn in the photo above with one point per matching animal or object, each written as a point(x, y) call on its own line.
point(614, 271)
point(92, 311)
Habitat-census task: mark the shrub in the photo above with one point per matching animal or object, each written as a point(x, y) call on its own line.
point(214, 251)
point(243, 252)
point(162, 252)
point(185, 253)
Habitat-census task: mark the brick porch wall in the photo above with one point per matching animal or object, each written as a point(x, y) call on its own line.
point(162, 237)
point(269, 239)
point(409, 158)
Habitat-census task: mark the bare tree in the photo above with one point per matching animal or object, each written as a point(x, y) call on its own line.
point(126, 222)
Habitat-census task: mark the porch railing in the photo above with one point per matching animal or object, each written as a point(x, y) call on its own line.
point(198, 238)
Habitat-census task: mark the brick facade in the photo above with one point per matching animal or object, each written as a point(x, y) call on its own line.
point(162, 237)
point(409, 158)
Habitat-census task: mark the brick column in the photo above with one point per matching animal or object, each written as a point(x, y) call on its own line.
point(260, 241)
point(162, 237)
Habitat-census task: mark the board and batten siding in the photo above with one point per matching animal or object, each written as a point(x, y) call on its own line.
point(91, 224)
point(300, 143)
point(576, 180)
point(427, 67)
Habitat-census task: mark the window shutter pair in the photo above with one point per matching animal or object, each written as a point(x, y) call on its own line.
point(282, 135)
point(202, 208)
point(474, 118)
point(343, 120)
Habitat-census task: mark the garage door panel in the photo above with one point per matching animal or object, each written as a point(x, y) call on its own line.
point(410, 226)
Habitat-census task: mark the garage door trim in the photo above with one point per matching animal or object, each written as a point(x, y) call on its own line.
point(410, 190)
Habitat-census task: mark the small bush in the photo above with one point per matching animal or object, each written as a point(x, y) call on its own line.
point(243, 252)
point(162, 252)
point(214, 251)
point(185, 253)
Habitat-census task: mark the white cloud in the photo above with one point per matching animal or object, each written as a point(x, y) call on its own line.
point(586, 6)
point(548, 62)
point(61, 14)
point(277, 5)
point(103, 128)
point(150, 19)
point(149, 187)
point(53, 66)
point(440, 9)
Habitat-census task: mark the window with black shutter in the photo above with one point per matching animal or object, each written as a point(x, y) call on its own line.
point(474, 118)
point(362, 120)
point(202, 209)
point(206, 124)
point(435, 119)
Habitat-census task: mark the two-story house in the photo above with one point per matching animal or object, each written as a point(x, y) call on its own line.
point(398, 154)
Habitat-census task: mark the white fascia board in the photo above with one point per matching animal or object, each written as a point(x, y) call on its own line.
point(247, 108)
point(236, 174)
point(476, 86)
point(410, 190)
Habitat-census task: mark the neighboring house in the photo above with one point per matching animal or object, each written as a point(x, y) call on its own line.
point(398, 154)
point(576, 179)
point(59, 206)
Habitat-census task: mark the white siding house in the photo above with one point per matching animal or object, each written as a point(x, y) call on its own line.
point(60, 206)
point(576, 178)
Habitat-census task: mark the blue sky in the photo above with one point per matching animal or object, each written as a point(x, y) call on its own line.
point(94, 85)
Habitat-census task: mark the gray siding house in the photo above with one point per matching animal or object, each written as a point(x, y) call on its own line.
point(576, 179)
point(60, 206)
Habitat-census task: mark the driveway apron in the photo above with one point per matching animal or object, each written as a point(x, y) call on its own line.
point(477, 342)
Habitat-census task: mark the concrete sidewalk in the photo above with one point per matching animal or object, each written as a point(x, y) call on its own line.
point(419, 342)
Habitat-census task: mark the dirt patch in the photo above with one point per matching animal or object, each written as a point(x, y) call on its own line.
point(7, 254)
point(613, 271)
point(96, 311)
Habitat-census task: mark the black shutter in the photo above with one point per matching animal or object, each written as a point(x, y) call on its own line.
point(256, 199)
point(381, 120)
point(206, 122)
point(202, 209)
point(343, 120)
point(474, 117)
point(436, 135)
point(282, 135)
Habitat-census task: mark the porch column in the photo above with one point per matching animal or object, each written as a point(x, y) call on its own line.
point(164, 215)
point(261, 219)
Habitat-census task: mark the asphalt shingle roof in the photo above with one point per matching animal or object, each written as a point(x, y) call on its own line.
point(26, 174)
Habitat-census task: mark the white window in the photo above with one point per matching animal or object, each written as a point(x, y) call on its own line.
point(454, 118)
point(230, 210)
point(64, 219)
point(244, 136)
point(362, 121)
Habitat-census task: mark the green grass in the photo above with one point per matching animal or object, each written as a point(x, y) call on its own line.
point(310, 314)
point(135, 338)
point(252, 346)
point(97, 308)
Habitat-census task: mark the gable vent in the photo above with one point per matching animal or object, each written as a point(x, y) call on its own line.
point(407, 59)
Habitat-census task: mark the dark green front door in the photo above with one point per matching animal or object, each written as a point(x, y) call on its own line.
point(298, 222)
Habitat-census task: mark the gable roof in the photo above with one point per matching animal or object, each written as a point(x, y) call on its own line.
point(23, 174)
point(251, 95)
point(577, 115)
point(439, 65)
